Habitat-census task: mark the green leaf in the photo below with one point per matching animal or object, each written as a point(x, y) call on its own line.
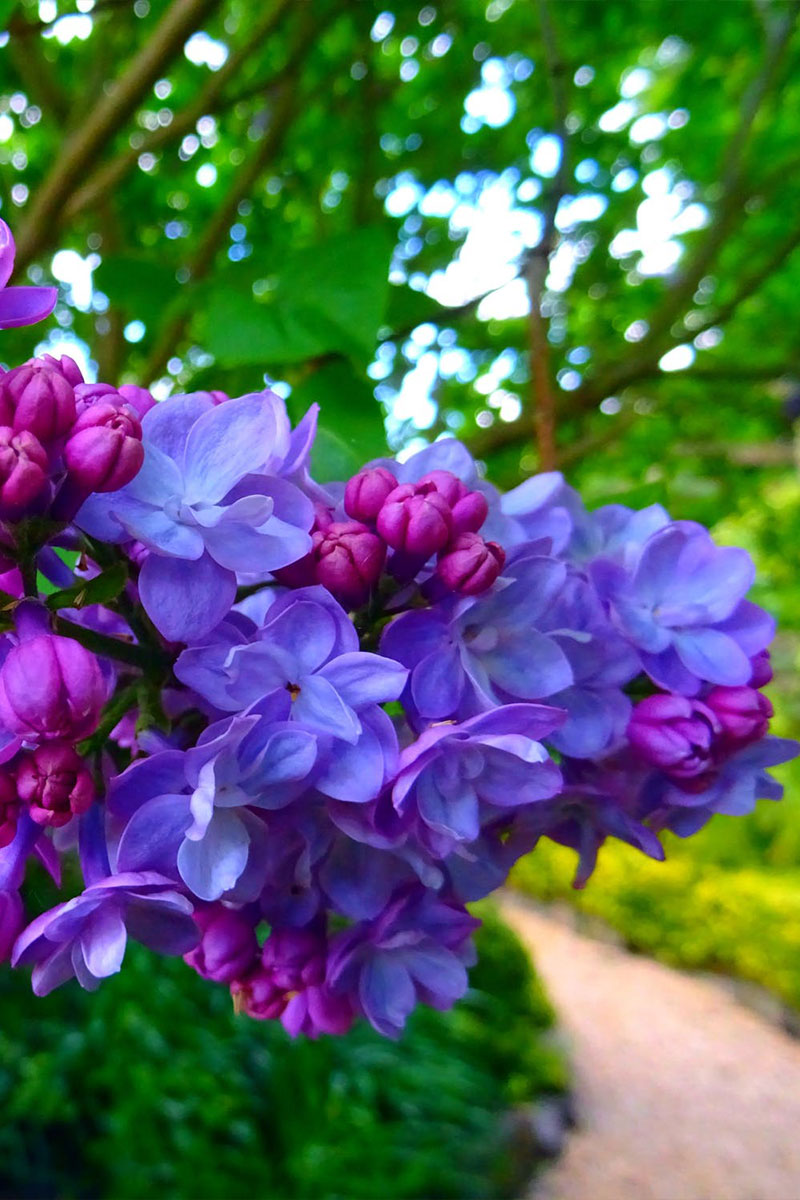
point(100, 590)
point(6, 9)
point(138, 285)
point(241, 330)
point(351, 429)
point(328, 298)
point(332, 458)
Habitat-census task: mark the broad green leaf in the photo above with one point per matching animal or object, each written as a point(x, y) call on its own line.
point(139, 285)
point(348, 411)
point(328, 298)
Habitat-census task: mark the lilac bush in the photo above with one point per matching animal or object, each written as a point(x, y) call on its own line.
point(290, 729)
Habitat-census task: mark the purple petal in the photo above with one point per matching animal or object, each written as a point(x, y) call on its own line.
point(228, 442)
point(54, 971)
point(321, 708)
point(361, 678)
point(166, 426)
point(534, 721)
point(26, 305)
point(7, 253)
point(713, 656)
point(532, 667)
point(184, 599)
point(103, 940)
point(152, 837)
point(387, 994)
point(212, 865)
point(149, 777)
point(437, 684)
point(146, 523)
point(165, 926)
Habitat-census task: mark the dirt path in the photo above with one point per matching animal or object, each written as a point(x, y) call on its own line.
point(682, 1094)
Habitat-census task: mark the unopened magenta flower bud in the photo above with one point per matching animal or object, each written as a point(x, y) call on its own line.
point(228, 948)
point(257, 995)
point(743, 713)
point(416, 519)
point(104, 449)
point(469, 509)
point(37, 397)
point(139, 398)
point(65, 366)
point(51, 687)
point(365, 493)
point(676, 734)
point(12, 921)
point(24, 469)
point(55, 783)
point(470, 565)
point(89, 394)
point(762, 669)
point(303, 573)
point(349, 560)
point(9, 809)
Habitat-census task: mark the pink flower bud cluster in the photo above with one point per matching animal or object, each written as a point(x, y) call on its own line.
point(59, 434)
point(52, 693)
point(407, 523)
point(689, 738)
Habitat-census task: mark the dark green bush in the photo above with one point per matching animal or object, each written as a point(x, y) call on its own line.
point(153, 1086)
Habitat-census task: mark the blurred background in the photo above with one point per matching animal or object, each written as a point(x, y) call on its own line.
point(393, 212)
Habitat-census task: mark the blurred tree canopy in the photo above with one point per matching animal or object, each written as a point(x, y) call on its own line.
point(399, 211)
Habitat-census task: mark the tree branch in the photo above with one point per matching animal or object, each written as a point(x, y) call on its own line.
point(111, 112)
point(215, 233)
point(734, 195)
point(752, 282)
point(543, 392)
point(110, 174)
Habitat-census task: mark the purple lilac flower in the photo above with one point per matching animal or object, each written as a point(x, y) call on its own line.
point(289, 983)
point(190, 815)
point(474, 653)
point(104, 449)
point(598, 801)
point(24, 470)
point(20, 305)
point(55, 784)
point(677, 734)
point(417, 950)
point(470, 565)
point(9, 809)
point(86, 937)
point(305, 661)
point(743, 712)
point(734, 789)
point(682, 606)
point(456, 777)
point(602, 662)
point(228, 946)
point(38, 397)
point(203, 509)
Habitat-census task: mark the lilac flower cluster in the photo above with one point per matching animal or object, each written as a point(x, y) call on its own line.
point(291, 730)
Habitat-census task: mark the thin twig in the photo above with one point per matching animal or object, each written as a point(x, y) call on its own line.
point(734, 194)
point(110, 113)
point(543, 391)
point(208, 100)
point(215, 233)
